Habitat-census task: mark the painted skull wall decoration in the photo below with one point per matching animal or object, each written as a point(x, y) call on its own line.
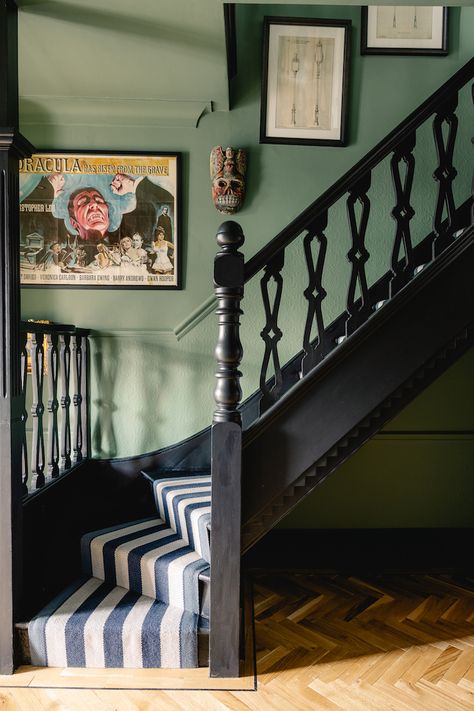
point(228, 181)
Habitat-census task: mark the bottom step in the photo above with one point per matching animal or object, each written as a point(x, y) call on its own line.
point(97, 625)
point(23, 654)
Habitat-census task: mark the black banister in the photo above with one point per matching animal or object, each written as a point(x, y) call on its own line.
point(44, 327)
point(359, 170)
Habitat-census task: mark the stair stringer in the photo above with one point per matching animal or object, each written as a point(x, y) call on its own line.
point(416, 336)
point(357, 437)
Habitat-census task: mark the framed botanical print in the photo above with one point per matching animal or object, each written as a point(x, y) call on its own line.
point(404, 29)
point(304, 81)
point(101, 220)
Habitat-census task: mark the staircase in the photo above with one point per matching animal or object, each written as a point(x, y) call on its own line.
point(361, 385)
point(352, 374)
point(138, 604)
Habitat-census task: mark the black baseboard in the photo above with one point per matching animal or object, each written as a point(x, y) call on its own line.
point(363, 550)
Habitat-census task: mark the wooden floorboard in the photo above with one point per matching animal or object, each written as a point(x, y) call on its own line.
point(326, 642)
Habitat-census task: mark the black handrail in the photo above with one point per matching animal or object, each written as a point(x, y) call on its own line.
point(42, 327)
point(357, 172)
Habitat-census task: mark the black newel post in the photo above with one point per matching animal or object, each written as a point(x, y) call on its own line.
point(229, 289)
point(226, 458)
point(12, 148)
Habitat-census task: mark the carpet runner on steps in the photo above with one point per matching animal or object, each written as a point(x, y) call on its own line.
point(138, 602)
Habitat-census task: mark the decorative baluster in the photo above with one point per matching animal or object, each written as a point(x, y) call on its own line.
point(53, 405)
point(358, 309)
point(444, 224)
point(271, 334)
point(24, 413)
point(402, 268)
point(65, 369)
point(79, 350)
point(228, 283)
point(37, 409)
point(315, 295)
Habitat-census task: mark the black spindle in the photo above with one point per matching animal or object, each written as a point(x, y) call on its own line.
point(444, 219)
point(271, 333)
point(37, 410)
point(84, 390)
point(315, 349)
point(78, 363)
point(65, 370)
point(402, 265)
point(53, 405)
point(358, 309)
point(24, 413)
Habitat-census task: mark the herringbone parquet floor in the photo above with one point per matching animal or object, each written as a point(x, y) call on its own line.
point(390, 643)
point(324, 642)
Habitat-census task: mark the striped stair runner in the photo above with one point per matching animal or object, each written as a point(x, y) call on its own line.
point(137, 604)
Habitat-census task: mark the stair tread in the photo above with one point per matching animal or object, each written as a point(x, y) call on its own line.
point(185, 504)
point(147, 557)
point(99, 625)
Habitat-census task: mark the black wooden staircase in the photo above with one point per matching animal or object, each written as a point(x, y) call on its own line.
point(352, 374)
point(357, 388)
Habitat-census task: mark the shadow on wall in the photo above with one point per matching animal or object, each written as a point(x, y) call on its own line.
point(104, 372)
point(133, 380)
point(170, 33)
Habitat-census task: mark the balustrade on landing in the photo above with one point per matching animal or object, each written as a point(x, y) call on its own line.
point(55, 401)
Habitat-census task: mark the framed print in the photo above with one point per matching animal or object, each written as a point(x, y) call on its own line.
point(304, 81)
point(101, 220)
point(404, 29)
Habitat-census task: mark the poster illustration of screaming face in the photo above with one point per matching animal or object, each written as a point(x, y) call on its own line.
point(100, 220)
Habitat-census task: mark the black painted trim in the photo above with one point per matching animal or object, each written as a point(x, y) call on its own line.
point(362, 550)
point(230, 40)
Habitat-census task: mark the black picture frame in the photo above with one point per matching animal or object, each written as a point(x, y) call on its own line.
point(305, 71)
point(101, 220)
point(437, 25)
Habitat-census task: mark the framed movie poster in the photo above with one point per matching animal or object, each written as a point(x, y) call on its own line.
point(304, 81)
point(100, 220)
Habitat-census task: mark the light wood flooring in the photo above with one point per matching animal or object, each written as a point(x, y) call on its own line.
point(324, 642)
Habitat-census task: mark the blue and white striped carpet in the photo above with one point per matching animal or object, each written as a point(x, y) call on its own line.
point(138, 602)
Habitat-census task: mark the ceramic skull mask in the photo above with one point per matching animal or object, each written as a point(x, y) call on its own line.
point(228, 181)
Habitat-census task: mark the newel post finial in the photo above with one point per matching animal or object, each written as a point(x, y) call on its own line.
point(229, 290)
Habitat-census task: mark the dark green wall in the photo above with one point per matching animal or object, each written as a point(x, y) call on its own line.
point(152, 351)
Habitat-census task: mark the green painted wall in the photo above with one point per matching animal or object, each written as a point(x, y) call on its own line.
point(151, 388)
point(418, 472)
